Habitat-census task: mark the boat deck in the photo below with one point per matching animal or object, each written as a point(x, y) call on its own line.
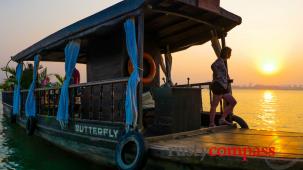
point(233, 146)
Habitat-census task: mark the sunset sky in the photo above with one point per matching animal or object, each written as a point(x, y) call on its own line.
point(267, 47)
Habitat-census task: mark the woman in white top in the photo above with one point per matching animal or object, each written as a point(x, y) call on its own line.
point(220, 88)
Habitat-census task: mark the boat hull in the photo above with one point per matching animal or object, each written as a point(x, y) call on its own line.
point(174, 151)
point(98, 150)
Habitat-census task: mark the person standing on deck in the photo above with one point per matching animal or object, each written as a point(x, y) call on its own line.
point(221, 89)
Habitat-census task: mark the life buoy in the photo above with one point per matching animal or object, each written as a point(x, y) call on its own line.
point(152, 69)
point(140, 155)
point(30, 125)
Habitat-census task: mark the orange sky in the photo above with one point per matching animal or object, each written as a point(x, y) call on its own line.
point(270, 33)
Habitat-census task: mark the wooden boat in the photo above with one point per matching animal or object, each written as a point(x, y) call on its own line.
point(97, 108)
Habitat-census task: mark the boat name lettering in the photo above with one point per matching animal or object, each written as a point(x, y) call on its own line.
point(97, 131)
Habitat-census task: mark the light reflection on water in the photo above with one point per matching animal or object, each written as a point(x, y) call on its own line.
point(280, 110)
point(267, 111)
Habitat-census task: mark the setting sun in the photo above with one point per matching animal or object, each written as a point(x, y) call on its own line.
point(269, 65)
point(269, 68)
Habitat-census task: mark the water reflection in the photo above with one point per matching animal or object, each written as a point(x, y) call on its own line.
point(22, 152)
point(267, 96)
point(268, 109)
point(6, 152)
point(261, 109)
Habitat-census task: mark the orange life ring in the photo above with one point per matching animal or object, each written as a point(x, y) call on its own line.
point(152, 68)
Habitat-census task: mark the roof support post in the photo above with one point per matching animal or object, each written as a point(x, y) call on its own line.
point(223, 44)
point(140, 25)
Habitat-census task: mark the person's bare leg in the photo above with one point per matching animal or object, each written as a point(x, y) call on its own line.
point(231, 104)
point(213, 107)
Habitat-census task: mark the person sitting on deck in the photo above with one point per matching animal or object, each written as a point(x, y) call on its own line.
point(46, 82)
point(220, 88)
point(76, 77)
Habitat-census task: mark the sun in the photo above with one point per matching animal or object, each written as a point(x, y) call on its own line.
point(269, 64)
point(269, 68)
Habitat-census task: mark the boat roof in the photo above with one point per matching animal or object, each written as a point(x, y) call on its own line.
point(173, 22)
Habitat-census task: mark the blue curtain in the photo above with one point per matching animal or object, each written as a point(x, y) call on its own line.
point(17, 95)
point(131, 91)
point(71, 55)
point(30, 104)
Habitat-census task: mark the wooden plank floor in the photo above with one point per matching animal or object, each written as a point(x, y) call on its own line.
point(190, 146)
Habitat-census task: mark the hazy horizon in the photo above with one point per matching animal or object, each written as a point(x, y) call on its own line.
point(266, 46)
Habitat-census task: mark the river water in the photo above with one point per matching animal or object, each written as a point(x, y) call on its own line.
point(279, 110)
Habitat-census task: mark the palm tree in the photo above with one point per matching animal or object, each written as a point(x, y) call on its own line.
point(60, 80)
point(10, 80)
point(26, 80)
point(10, 70)
point(27, 77)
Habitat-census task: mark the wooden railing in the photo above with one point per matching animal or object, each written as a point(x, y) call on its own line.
point(100, 100)
point(203, 86)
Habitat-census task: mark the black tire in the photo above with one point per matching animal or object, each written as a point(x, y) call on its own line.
point(13, 118)
point(140, 155)
point(241, 122)
point(30, 125)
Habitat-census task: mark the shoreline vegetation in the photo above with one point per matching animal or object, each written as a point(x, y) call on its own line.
point(269, 87)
